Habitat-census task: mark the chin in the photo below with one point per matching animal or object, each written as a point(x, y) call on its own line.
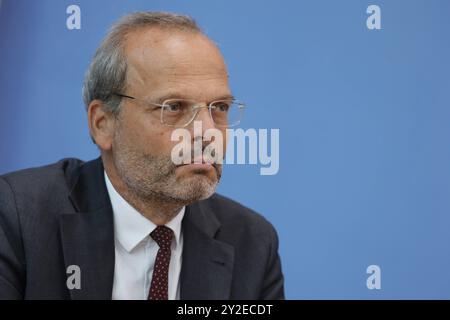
point(196, 188)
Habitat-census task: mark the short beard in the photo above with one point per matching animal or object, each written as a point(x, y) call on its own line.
point(152, 178)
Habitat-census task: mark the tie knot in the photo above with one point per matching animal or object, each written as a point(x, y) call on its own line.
point(162, 236)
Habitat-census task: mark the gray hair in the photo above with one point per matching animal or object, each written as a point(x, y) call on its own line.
point(107, 72)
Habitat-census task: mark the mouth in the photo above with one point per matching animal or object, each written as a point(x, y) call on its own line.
point(200, 163)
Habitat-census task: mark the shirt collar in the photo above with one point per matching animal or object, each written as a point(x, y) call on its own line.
point(131, 227)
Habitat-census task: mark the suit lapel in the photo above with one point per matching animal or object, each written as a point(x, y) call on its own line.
point(88, 234)
point(207, 265)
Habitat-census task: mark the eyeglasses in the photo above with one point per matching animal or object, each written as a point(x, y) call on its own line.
point(181, 112)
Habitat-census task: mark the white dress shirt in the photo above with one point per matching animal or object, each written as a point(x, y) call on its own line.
point(135, 250)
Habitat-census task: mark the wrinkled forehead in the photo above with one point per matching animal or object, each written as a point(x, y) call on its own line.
point(159, 58)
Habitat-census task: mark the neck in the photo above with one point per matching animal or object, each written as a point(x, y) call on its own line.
point(155, 209)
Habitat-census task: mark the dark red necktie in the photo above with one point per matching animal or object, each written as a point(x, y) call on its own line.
point(160, 279)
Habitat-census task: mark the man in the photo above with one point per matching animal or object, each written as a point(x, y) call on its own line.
point(133, 224)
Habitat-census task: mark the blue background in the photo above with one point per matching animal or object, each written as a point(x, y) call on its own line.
point(363, 116)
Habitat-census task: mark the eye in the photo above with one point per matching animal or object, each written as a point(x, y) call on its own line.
point(174, 106)
point(221, 106)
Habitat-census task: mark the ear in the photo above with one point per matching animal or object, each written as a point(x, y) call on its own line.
point(101, 125)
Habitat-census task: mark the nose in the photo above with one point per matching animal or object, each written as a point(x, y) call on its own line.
point(204, 116)
point(198, 136)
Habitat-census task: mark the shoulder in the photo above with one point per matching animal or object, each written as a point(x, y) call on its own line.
point(41, 179)
point(39, 191)
point(30, 199)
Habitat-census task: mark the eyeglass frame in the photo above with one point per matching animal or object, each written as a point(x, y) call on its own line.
point(195, 109)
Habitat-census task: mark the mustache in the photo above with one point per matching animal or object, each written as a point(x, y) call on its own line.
point(166, 167)
point(200, 156)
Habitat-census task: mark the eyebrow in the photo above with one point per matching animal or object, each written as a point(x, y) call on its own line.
point(177, 95)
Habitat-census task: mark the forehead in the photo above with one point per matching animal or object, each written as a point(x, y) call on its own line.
point(171, 60)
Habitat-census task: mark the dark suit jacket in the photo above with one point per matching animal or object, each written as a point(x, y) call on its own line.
point(60, 215)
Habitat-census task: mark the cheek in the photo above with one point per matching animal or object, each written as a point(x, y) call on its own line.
point(147, 136)
point(163, 140)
